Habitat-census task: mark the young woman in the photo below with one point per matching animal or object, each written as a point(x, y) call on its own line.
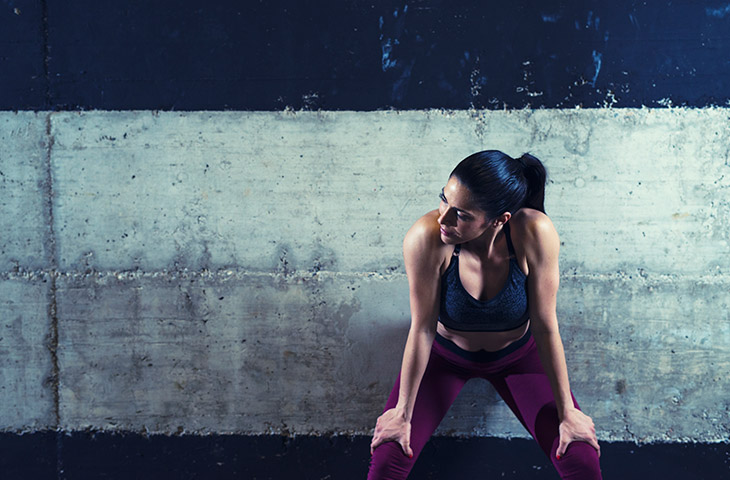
point(483, 277)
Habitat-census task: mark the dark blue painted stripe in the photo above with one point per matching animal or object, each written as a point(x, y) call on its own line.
point(94, 456)
point(23, 81)
point(349, 54)
point(340, 54)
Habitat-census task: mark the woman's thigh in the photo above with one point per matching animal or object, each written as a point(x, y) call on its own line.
point(526, 389)
point(439, 387)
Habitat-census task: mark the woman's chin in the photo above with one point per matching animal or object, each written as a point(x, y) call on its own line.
point(449, 239)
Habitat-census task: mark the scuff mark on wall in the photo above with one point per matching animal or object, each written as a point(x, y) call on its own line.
point(387, 49)
point(592, 22)
point(721, 12)
point(597, 60)
point(551, 17)
point(390, 46)
point(400, 85)
point(387, 44)
point(526, 87)
point(634, 21)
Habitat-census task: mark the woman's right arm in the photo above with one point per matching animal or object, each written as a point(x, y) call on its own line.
point(422, 252)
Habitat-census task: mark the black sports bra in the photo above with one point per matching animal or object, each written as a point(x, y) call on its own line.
point(506, 311)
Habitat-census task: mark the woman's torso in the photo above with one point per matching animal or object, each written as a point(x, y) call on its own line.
point(486, 282)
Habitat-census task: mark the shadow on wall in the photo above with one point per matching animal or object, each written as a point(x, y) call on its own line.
point(373, 360)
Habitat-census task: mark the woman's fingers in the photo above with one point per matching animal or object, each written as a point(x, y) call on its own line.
point(562, 446)
point(392, 428)
point(577, 427)
point(405, 445)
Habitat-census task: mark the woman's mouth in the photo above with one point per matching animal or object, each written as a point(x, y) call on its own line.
point(445, 233)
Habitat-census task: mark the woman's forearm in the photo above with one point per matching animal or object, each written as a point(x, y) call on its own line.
point(552, 356)
point(415, 359)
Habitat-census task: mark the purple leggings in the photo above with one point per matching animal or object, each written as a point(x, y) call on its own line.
point(517, 374)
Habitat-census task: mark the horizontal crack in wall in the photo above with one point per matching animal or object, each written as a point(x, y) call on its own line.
point(224, 274)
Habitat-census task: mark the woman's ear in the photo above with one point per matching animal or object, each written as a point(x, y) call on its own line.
point(502, 219)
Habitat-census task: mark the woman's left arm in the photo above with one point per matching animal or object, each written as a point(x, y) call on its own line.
point(542, 247)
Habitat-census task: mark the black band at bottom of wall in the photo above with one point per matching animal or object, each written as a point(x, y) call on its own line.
point(51, 455)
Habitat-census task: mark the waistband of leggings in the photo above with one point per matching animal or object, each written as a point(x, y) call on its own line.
point(483, 355)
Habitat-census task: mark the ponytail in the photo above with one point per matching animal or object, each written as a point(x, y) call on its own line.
point(535, 174)
point(499, 183)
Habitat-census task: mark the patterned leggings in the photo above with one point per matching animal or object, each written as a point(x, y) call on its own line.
point(517, 374)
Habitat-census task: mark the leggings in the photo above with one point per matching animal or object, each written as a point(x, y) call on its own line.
point(517, 374)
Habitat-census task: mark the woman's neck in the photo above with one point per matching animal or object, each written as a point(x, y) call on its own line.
point(485, 246)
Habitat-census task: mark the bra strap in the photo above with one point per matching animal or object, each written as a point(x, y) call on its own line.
point(510, 247)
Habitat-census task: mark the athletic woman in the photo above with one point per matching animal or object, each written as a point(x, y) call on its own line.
point(483, 278)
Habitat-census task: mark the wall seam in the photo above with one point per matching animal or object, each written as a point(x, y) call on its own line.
point(52, 257)
point(46, 54)
point(238, 273)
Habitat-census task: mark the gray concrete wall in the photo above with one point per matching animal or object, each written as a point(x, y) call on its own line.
point(241, 272)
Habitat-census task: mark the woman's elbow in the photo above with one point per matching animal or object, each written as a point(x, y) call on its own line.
point(541, 325)
point(427, 329)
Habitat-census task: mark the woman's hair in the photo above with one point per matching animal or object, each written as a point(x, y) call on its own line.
point(499, 183)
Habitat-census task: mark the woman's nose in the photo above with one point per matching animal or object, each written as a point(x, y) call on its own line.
point(447, 217)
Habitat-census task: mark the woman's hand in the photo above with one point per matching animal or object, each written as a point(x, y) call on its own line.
point(576, 426)
point(392, 426)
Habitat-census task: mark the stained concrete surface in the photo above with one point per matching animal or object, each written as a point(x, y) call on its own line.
point(353, 55)
point(84, 455)
point(26, 367)
point(24, 229)
point(241, 273)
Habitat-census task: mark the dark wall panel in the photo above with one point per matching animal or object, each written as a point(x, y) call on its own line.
point(84, 455)
point(23, 79)
point(340, 54)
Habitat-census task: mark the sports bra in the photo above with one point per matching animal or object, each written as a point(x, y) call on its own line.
point(505, 311)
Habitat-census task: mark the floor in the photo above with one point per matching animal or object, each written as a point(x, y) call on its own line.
point(48, 455)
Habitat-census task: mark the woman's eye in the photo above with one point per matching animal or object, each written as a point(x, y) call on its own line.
point(459, 215)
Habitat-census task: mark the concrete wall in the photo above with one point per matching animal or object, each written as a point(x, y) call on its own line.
point(241, 272)
point(355, 55)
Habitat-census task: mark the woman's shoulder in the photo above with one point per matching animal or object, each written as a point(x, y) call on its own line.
point(532, 223)
point(424, 237)
point(425, 230)
point(536, 236)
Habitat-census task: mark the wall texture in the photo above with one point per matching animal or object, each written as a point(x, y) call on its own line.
point(202, 208)
point(358, 55)
point(241, 272)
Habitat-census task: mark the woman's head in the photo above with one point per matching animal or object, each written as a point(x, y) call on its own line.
point(498, 183)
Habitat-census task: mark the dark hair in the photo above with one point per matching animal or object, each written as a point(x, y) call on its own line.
point(499, 183)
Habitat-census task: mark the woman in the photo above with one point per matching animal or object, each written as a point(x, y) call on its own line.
point(483, 278)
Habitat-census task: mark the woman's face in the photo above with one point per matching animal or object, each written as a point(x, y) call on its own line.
point(459, 219)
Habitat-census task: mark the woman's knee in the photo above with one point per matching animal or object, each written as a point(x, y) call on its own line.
point(579, 462)
point(390, 463)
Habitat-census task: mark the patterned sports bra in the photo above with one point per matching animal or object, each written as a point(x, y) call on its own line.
point(505, 311)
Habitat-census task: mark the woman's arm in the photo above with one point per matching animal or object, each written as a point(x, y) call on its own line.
point(421, 252)
point(542, 247)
